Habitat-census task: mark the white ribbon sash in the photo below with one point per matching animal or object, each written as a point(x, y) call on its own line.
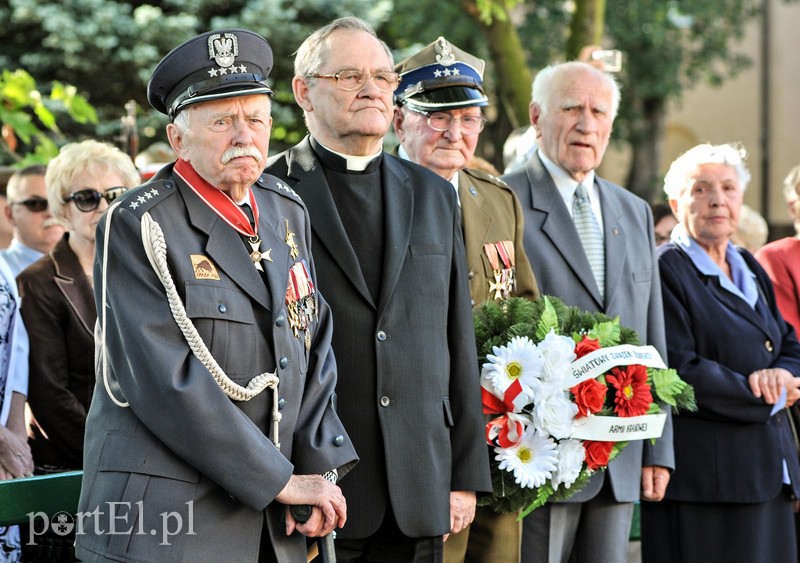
point(614, 428)
point(602, 360)
point(618, 429)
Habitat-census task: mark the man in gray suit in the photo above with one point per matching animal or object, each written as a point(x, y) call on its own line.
point(597, 255)
point(388, 247)
point(213, 412)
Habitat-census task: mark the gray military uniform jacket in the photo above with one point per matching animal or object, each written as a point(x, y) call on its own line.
point(183, 456)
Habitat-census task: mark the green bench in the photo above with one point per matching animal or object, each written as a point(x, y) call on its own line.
point(48, 494)
point(59, 492)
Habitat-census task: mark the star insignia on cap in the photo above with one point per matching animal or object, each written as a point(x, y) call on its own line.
point(242, 68)
point(437, 73)
point(212, 72)
point(455, 72)
point(447, 72)
point(223, 71)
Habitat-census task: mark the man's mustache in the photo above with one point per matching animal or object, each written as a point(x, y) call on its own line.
point(236, 152)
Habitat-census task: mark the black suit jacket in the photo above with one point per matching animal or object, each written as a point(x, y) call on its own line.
point(731, 449)
point(408, 387)
point(59, 312)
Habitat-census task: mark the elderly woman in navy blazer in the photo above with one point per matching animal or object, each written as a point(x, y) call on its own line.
point(731, 495)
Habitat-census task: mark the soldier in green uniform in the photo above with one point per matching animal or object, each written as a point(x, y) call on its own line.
point(438, 120)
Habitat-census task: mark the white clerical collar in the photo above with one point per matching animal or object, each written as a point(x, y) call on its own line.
point(354, 163)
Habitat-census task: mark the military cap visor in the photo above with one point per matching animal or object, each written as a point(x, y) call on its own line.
point(217, 64)
point(443, 98)
point(441, 76)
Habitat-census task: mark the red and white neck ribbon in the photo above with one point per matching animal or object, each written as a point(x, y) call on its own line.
point(220, 202)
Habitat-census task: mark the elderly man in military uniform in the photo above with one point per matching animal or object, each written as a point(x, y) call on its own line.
point(438, 120)
point(213, 411)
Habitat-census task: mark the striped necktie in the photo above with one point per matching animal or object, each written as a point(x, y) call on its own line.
point(590, 234)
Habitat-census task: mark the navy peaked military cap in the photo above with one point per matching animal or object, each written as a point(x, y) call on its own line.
point(216, 64)
point(441, 77)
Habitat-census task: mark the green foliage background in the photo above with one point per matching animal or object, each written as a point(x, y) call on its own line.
point(108, 48)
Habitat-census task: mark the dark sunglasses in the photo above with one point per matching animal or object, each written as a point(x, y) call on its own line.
point(88, 199)
point(34, 205)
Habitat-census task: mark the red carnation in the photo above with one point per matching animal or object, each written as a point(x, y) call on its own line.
point(632, 397)
point(597, 454)
point(590, 396)
point(586, 346)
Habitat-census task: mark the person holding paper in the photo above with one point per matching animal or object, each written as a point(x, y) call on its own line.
point(737, 472)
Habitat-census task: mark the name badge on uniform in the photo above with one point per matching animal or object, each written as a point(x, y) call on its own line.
point(301, 301)
point(501, 258)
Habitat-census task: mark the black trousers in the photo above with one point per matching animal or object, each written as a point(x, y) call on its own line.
point(390, 545)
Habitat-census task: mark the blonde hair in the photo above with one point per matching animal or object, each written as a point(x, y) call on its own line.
point(790, 184)
point(78, 159)
point(751, 231)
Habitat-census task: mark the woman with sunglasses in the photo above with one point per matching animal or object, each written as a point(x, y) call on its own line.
point(58, 303)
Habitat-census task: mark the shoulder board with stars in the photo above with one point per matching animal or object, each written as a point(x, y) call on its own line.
point(481, 175)
point(139, 200)
point(273, 183)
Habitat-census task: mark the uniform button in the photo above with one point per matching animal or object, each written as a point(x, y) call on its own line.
point(768, 345)
point(471, 275)
point(385, 401)
point(222, 308)
point(338, 441)
point(280, 320)
point(381, 335)
point(168, 185)
point(283, 362)
point(281, 403)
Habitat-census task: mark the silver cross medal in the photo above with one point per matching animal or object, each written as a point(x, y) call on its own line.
point(256, 255)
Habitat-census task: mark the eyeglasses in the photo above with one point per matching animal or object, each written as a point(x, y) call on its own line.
point(88, 199)
point(441, 121)
point(351, 80)
point(34, 204)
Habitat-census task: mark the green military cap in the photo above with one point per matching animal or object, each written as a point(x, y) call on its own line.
point(216, 64)
point(440, 77)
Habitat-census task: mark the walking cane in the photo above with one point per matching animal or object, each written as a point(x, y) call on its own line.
point(323, 547)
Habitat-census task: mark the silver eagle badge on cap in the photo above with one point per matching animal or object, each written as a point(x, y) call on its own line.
point(224, 48)
point(444, 55)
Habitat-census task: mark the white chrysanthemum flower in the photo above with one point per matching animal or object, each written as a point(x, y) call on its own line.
point(519, 360)
point(532, 462)
point(571, 454)
point(553, 412)
point(558, 352)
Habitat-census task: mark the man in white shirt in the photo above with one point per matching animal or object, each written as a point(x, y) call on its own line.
point(36, 230)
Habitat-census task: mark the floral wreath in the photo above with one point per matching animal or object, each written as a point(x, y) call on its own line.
point(548, 369)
